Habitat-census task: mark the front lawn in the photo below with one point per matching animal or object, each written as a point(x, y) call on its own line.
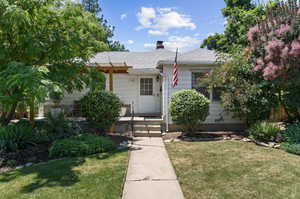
point(234, 170)
point(98, 177)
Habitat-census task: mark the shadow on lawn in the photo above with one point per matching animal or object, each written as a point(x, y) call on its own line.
point(52, 174)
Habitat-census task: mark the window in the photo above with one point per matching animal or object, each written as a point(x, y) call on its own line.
point(146, 86)
point(198, 85)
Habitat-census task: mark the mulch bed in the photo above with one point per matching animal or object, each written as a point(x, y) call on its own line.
point(37, 154)
point(205, 135)
point(34, 154)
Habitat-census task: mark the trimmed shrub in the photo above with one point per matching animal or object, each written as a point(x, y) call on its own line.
point(17, 136)
point(292, 134)
point(292, 138)
point(264, 131)
point(80, 145)
point(101, 108)
point(189, 108)
point(55, 128)
point(292, 148)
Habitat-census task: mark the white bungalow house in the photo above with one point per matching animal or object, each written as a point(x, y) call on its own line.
point(142, 80)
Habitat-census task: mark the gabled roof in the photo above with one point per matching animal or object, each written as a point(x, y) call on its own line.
point(197, 56)
point(138, 60)
point(150, 60)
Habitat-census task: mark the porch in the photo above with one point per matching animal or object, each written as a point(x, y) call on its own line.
point(140, 126)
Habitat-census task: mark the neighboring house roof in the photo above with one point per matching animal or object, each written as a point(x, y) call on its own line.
point(150, 60)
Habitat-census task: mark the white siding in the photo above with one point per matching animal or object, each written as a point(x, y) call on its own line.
point(69, 99)
point(216, 115)
point(125, 86)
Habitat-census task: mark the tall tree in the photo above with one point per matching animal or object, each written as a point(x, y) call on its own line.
point(44, 43)
point(94, 7)
point(275, 50)
point(240, 15)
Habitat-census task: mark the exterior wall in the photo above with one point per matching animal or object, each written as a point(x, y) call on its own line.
point(125, 86)
point(69, 99)
point(216, 116)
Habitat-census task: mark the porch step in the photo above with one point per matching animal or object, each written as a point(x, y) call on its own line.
point(146, 127)
point(148, 122)
point(147, 134)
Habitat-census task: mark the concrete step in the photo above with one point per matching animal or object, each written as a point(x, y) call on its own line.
point(147, 134)
point(148, 122)
point(146, 127)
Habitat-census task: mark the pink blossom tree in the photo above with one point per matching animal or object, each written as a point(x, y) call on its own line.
point(275, 50)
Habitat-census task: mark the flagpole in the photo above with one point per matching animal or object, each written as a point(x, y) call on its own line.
point(167, 107)
point(168, 91)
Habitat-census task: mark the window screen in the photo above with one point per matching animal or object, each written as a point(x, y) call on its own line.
point(146, 86)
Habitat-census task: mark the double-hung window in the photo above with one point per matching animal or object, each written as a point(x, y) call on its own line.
point(214, 95)
point(146, 86)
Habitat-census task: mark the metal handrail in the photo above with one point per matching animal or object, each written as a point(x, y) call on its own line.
point(132, 118)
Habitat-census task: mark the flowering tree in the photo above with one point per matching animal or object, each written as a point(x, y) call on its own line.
point(275, 49)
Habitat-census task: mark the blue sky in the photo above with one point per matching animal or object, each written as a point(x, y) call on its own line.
point(180, 23)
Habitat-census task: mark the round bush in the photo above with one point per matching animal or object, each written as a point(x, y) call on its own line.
point(264, 131)
point(102, 108)
point(292, 148)
point(189, 108)
point(292, 133)
point(84, 144)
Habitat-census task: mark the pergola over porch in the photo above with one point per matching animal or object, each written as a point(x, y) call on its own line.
point(112, 68)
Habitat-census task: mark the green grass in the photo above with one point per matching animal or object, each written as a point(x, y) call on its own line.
point(235, 170)
point(98, 177)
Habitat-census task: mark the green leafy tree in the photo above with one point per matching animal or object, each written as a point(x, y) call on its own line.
point(93, 6)
point(44, 43)
point(240, 15)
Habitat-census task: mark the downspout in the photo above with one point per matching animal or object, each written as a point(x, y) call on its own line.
point(166, 102)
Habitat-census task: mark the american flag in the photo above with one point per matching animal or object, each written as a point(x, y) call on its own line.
point(175, 72)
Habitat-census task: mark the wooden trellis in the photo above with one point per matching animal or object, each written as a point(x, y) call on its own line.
point(112, 68)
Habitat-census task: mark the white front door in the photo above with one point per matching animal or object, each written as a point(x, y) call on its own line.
point(149, 95)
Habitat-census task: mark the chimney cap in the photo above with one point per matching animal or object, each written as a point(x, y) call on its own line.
point(160, 45)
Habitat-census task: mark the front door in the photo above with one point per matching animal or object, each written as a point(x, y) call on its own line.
point(149, 98)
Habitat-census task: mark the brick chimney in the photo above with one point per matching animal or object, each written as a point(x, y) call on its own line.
point(160, 45)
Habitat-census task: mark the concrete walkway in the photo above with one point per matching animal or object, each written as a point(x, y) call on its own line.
point(150, 173)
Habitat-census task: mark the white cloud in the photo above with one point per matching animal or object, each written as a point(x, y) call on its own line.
point(157, 32)
point(163, 19)
point(210, 34)
point(130, 42)
point(123, 16)
point(174, 42)
point(165, 9)
point(145, 16)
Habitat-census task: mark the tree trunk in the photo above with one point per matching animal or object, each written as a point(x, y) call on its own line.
point(290, 118)
point(3, 116)
point(9, 115)
point(31, 117)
